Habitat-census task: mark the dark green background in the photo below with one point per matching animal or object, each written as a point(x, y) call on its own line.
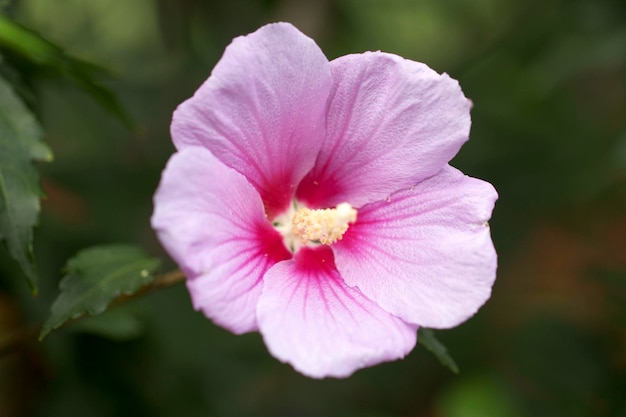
point(548, 82)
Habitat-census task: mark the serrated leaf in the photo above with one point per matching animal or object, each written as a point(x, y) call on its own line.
point(40, 52)
point(95, 277)
point(426, 338)
point(20, 144)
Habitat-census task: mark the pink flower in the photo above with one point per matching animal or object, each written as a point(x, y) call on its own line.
point(278, 133)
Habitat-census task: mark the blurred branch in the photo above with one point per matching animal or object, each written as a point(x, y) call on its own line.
point(26, 334)
point(167, 279)
point(160, 281)
point(18, 337)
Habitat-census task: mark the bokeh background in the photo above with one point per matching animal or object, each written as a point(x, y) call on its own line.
point(548, 82)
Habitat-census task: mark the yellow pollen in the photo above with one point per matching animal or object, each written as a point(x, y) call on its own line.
point(325, 226)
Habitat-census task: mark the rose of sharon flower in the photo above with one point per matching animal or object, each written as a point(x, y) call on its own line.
point(312, 201)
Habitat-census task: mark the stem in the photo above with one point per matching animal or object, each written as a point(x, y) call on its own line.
point(167, 279)
point(160, 281)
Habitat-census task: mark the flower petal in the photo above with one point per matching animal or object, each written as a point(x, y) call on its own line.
point(262, 110)
point(211, 221)
point(311, 319)
point(424, 254)
point(391, 123)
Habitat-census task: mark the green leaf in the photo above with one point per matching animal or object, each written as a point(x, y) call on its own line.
point(95, 277)
point(426, 338)
point(20, 144)
point(40, 52)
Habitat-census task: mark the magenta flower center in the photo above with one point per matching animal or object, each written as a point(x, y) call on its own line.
point(301, 226)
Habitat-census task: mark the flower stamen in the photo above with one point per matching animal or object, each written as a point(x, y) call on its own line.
point(325, 226)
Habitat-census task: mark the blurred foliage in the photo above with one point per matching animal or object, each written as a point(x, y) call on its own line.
point(548, 82)
point(426, 337)
point(20, 146)
point(97, 276)
point(27, 52)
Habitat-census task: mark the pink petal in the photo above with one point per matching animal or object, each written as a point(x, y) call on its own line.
point(211, 221)
point(391, 123)
point(262, 110)
point(311, 319)
point(425, 254)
